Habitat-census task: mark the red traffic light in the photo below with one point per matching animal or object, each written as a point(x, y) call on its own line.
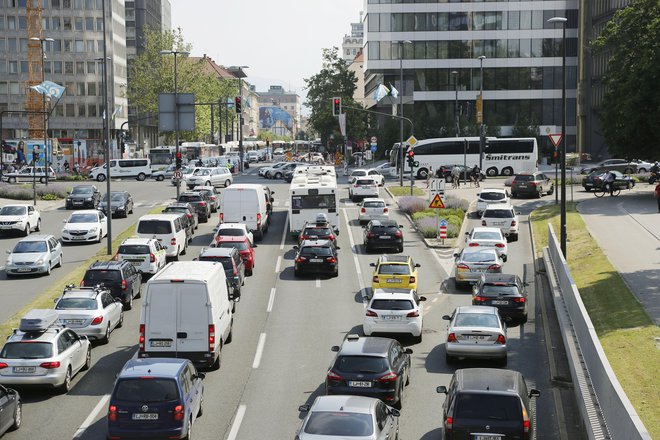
point(337, 101)
point(178, 155)
point(411, 153)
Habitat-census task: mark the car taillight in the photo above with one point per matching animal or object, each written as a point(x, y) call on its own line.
point(334, 376)
point(112, 413)
point(370, 235)
point(363, 210)
point(211, 337)
point(483, 223)
point(371, 313)
point(303, 237)
point(141, 340)
point(526, 424)
point(449, 422)
point(473, 244)
point(189, 215)
point(152, 258)
point(386, 210)
point(519, 300)
point(499, 245)
point(178, 413)
point(258, 219)
point(82, 283)
point(3, 365)
point(532, 183)
point(301, 259)
point(331, 237)
point(97, 320)
point(173, 241)
point(479, 299)
point(501, 340)
point(331, 259)
point(494, 267)
point(50, 365)
point(513, 223)
point(451, 337)
point(412, 280)
point(124, 285)
point(202, 203)
point(375, 279)
point(414, 314)
point(389, 377)
point(398, 234)
point(463, 266)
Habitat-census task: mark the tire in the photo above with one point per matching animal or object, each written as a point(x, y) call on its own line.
point(185, 248)
point(447, 179)
point(106, 337)
point(400, 249)
point(100, 178)
point(551, 191)
point(11, 180)
point(207, 183)
point(259, 235)
point(88, 360)
point(507, 171)
point(26, 231)
point(296, 273)
point(18, 417)
point(513, 237)
point(514, 195)
point(141, 177)
point(417, 339)
point(42, 180)
point(628, 171)
point(278, 176)
point(188, 433)
point(120, 324)
point(216, 364)
point(38, 227)
point(227, 183)
point(129, 305)
point(66, 386)
point(539, 194)
point(399, 403)
point(49, 269)
point(59, 261)
point(248, 273)
point(230, 336)
point(503, 361)
point(201, 407)
point(491, 172)
point(139, 292)
point(160, 178)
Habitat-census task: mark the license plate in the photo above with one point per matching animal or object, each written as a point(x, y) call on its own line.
point(498, 302)
point(77, 203)
point(145, 416)
point(588, 184)
point(385, 237)
point(393, 280)
point(359, 383)
point(498, 223)
point(522, 186)
point(5, 226)
point(392, 318)
point(160, 343)
point(23, 269)
point(77, 238)
point(475, 337)
point(487, 437)
point(136, 263)
point(316, 260)
point(24, 369)
point(74, 321)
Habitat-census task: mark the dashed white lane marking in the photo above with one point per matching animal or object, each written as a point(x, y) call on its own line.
point(238, 419)
point(434, 299)
point(271, 300)
point(284, 232)
point(356, 262)
point(318, 282)
point(92, 416)
point(260, 350)
point(277, 265)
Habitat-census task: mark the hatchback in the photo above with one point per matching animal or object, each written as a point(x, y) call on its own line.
point(471, 263)
point(317, 231)
point(397, 271)
point(211, 195)
point(476, 332)
point(363, 187)
point(503, 217)
point(147, 255)
point(244, 247)
point(121, 277)
point(36, 254)
point(394, 311)
point(20, 218)
point(373, 209)
point(491, 196)
point(504, 291)
point(535, 184)
point(382, 234)
point(155, 398)
point(487, 238)
point(316, 257)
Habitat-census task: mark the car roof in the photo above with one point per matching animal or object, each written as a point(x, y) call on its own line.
point(358, 169)
point(38, 237)
point(229, 238)
point(179, 205)
point(485, 229)
point(137, 240)
point(203, 187)
point(484, 310)
point(488, 379)
point(499, 206)
point(373, 199)
point(365, 345)
point(169, 217)
point(217, 252)
point(189, 193)
point(234, 225)
point(85, 211)
point(158, 367)
point(499, 278)
point(476, 250)
point(397, 259)
point(316, 243)
point(499, 190)
point(388, 222)
point(107, 265)
point(340, 403)
point(47, 335)
point(84, 186)
point(77, 292)
point(392, 294)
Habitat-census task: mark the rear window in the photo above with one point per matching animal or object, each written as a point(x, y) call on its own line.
point(339, 424)
point(476, 320)
point(107, 277)
point(365, 182)
point(27, 350)
point(478, 257)
point(189, 198)
point(373, 204)
point(384, 229)
point(154, 227)
point(498, 213)
point(525, 178)
point(76, 304)
point(487, 235)
point(487, 407)
point(134, 249)
point(492, 196)
point(240, 245)
point(361, 364)
point(391, 304)
point(146, 390)
point(394, 269)
point(316, 251)
point(496, 290)
point(231, 232)
point(317, 231)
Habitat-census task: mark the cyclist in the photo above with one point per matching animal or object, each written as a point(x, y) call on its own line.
point(474, 175)
point(609, 179)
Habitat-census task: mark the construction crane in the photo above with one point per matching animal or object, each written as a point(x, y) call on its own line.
point(34, 100)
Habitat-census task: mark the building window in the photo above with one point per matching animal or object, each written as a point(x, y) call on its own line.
point(99, 24)
point(80, 67)
point(78, 21)
point(91, 89)
point(91, 67)
point(56, 23)
point(91, 110)
point(22, 22)
point(55, 4)
point(70, 110)
point(81, 110)
point(89, 5)
point(3, 69)
point(47, 67)
point(11, 23)
point(80, 46)
point(24, 44)
point(90, 46)
point(67, 46)
point(24, 66)
point(89, 23)
point(13, 67)
point(45, 23)
point(66, 23)
point(66, 4)
point(12, 45)
point(80, 89)
point(68, 67)
point(57, 67)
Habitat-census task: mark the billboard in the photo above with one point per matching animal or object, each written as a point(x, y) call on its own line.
point(271, 116)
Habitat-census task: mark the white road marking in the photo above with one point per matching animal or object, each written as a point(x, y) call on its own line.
point(287, 203)
point(284, 232)
point(271, 300)
point(238, 419)
point(92, 416)
point(434, 299)
point(260, 350)
point(277, 265)
point(355, 258)
point(318, 282)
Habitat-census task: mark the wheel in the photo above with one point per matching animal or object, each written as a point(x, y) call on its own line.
point(248, 273)
point(259, 235)
point(185, 249)
point(422, 173)
point(49, 269)
point(503, 361)
point(278, 176)
point(400, 249)
point(628, 171)
point(448, 179)
point(399, 403)
point(18, 416)
point(88, 360)
point(296, 273)
point(599, 192)
point(11, 180)
point(336, 274)
point(129, 304)
point(100, 178)
point(513, 237)
point(188, 435)
point(507, 171)
point(417, 339)
point(539, 194)
point(551, 190)
point(26, 231)
point(66, 385)
point(230, 336)
point(459, 284)
point(201, 407)
point(587, 189)
point(141, 177)
point(106, 337)
point(216, 364)
point(38, 227)
point(42, 180)
point(616, 192)
point(100, 236)
point(139, 292)
point(491, 172)
point(227, 183)
point(160, 178)
point(59, 261)
point(120, 324)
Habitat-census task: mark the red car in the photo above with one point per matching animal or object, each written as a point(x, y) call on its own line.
point(241, 243)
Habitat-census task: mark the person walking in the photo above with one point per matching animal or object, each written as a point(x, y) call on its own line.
point(657, 195)
point(456, 177)
point(429, 176)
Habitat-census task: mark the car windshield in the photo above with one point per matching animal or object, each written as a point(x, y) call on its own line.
point(476, 320)
point(316, 251)
point(107, 277)
point(27, 350)
point(76, 304)
point(524, 178)
point(240, 245)
point(231, 232)
point(116, 197)
point(146, 390)
point(358, 173)
point(487, 235)
point(339, 424)
point(226, 261)
point(361, 364)
point(133, 249)
point(498, 213)
point(485, 406)
point(499, 289)
point(394, 269)
point(492, 196)
point(83, 218)
point(154, 227)
point(25, 247)
point(478, 257)
point(391, 304)
point(373, 204)
point(82, 190)
point(13, 210)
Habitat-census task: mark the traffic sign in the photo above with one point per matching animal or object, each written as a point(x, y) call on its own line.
point(178, 174)
point(443, 232)
point(373, 148)
point(437, 202)
point(555, 138)
point(443, 222)
point(374, 139)
point(412, 140)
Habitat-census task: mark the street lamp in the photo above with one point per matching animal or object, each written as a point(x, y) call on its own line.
point(482, 126)
point(237, 71)
point(43, 95)
point(458, 126)
point(176, 111)
point(562, 206)
point(401, 152)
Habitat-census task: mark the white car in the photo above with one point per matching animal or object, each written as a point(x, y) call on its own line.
point(263, 171)
point(185, 174)
point(503, 217)
point(233, 229)
point(373, 209)
point(476, 332)
point(394, 311)
point(27, 174)
point(363, 187)
point(216, 177)
point(376, 175)
point(23, 218)
point(312, 158)
point(146, 254)
point(491, 196)
point(487, 238)
point(35, 254)
point(85, 225)
point(359, 172)
point(642, 165)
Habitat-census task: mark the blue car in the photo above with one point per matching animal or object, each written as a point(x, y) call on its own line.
point(155, 398)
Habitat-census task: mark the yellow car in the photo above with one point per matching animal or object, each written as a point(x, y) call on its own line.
point(394, 271)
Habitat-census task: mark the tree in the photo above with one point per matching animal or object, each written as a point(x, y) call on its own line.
point(630, 112)
point(525, 126)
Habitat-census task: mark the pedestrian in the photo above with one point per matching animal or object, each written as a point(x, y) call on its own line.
point(657, 195)
point(475, 175)
point(610, 177)
point(456, 176)
point(429, 175)
point(76, 168)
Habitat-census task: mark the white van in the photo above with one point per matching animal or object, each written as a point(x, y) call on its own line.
point(245, 203)
point(139, 169)
point(168, 229)
point(186, 313)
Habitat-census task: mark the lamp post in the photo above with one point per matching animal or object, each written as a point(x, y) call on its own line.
point(401, 152)
point(458, 126)
point(176, 109)
point(482, 126)
point(562, 206)
point(43, 78)
point(237, 71)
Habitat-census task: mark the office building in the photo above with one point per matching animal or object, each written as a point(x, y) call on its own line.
point(352, 44)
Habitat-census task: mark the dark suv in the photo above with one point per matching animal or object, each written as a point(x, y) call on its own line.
point(316, 257)
point(504, 291)
point(532, 184)
point(383, 234)
point(233, 264)
point(317, 231)
point(83, 196)
point(371, 367)
point(199, 202)
point(487, 400)
point(121, 277)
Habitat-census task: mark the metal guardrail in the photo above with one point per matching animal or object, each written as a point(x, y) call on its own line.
point(604, 406)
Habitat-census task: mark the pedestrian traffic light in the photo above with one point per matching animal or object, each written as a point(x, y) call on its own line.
point(238, 104)
point(178, 160)
point(336, 106)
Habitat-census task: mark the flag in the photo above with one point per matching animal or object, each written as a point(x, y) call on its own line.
point(394, 92)
point(117, 110)
point(381, 92)
point(49, 88)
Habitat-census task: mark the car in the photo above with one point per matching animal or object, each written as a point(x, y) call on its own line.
point(363, 187)
point(444, 171)
point(170, 229)
point(288, 175)
point(252, 156)
point(311, 157)
point(197, 201)
point(339, 417)
point(487, 238)
point(503, 217)
point(185, 174)
point(491, 196)
point(620, 165)
point(371, 367)
point(535, 184)
point(476, 332)
point(12, 408)
point(471, 262)
point(192, 217)
point(492, 400)
point(317, 230)
point(215, 176)
point(147, 255)
point(385, 169)
point(398, 271)
point(83, 196)
point(642, 165)
point(595, 180)
point(163, 174)
point(382, 234)
point(211, 194)
point(504, 291)
point(84, 226)
point(356, 173)
point(121, 277)
point(242, 244)
point(28, 174)
point(121, 204)
point(268, 197)
point(41, 353)
point(394, 311)
point(278, 173)
point(233, 263)
point(373, 209)
point(155, 398)
point(234, 230)
point(36, 254)
point(316, 257)
point(89, 311)
point(21, 218)
point(376, 175)
point(263, 171)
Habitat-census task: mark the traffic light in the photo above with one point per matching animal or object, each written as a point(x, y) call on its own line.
point(238, 104)
point(411, 158)
point(122, 141)
point(178, 160)
point(336, 106)
point(267, 143)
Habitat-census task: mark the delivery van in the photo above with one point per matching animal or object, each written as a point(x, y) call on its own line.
point(245, 203)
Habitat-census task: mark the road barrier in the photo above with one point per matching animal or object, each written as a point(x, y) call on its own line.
point(605, 409)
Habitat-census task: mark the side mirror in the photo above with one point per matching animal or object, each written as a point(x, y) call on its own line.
point(337, 248)
point(418, 265)
point(400, 226)
point(255, 246)
point(441, 389)
point(456, 255)
point(303, 408)
point(201, 376)
point(534, 393)
point(446, 317)
point(82, 337)
point(64, 221)
point(295, 248)
point(55, 300)
point(408, 351)
point(334, 348)
point(394, 412)
point(422, 298)
point(372, 264)
point(525, 284)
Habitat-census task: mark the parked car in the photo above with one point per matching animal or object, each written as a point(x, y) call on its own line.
point(84, 226)
point(233, 264)
point(394, 311)
point(487, 238)
point(28, 174)
point(147, 255)
point(476, 332)
point(503, 217)
point(531, 184)
point(595, 180)
point(21, 218)
point(83, 196)
point(504, 291)
point(121, 277)
point(382, 234)
point(199, 202)
point(620, 165)
point(121, 204)
point(398, 271)
point(642, 165)
point(316, 257)
point(373, 209)
point(471, 262)
point(37, 254)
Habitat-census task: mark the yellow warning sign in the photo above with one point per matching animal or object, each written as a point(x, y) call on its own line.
point(437, 202)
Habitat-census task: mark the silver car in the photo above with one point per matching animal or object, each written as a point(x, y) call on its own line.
point(342, 417)
point(476, 332)
point(472, 262)
point(36, 254)
point(90, 311)
point(373, 209)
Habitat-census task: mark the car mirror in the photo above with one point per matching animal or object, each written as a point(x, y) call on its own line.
point(534, 393)
point(295, 248)
point(517, 212)
point(201, 376)
point(8, 252)
point(408, 351)
point(394, 412)
point(372, 264)
point(82, 337)
point(441, 389)
point(422, 298)
point(334, 348)
point(337, 248)
point(56, 300)
point(400, 226)
point(303, 408)
point(455, 255)
point(446, 317)
point(418, 265)
point(525, 284)
point(64, 221)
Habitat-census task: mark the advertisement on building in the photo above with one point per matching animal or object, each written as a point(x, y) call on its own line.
point(272, 116)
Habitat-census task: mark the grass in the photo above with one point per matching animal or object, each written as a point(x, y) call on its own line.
point(623, 327)
point(46, 298)
point(398, 191)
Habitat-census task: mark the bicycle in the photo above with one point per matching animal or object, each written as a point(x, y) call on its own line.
point(604, 189)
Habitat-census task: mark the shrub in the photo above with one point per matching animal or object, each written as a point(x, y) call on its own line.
point(411, 205)
point(49, 197)
point(427, 227)
point(15, 192)
point(453, 202)
point(24, 192)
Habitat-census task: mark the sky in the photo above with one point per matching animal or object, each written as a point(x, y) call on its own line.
point(280, 40)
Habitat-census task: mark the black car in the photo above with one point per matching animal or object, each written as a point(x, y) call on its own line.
point(445, 172)
point(321, 230)
point(11, 410)
point(531, 184)
point(371, 367)
point(192, 218)
point(121, 277)
point(288, 176)
point(383, 234)
point(504, 291)
point(121, 203)
point(199, 202)
point(83, 196)
point(487, 400)
point(233, 264)
point(596, 179)
point(316, 257)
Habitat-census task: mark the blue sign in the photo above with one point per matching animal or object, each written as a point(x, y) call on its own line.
point(373, 148)
point(443, 222)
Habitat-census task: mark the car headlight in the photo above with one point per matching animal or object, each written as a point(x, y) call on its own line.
point(68, 199)
point(92, 230)
point(89, 199)
point(40, 261)
point(8, 262)
point(65, 231)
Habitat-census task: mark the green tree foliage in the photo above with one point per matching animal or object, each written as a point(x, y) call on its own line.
point(630, 113)
point(525, 127)
point(334, 79)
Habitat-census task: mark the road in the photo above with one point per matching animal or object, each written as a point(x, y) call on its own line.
point(283, 332)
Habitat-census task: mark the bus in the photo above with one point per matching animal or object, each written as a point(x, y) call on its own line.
point(161, 157)
point(501, 157)
point(313, 191)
